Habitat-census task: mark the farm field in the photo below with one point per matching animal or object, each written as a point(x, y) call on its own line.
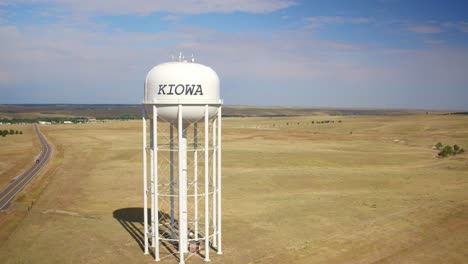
point(368, 189)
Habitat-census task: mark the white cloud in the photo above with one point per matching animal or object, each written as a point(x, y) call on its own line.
point(425, 29)
point(463, 26)
point(325, 19)
point(459, 25)
point(433, 27)
point(171, 18)
point(434, 41)
point(88, 59)
point(320, 21)
point(145, 7)
point(360, 20)
point(58, 52)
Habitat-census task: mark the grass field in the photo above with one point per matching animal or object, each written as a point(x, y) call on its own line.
point(366, 190)
point(125, 110)
point(17, 152)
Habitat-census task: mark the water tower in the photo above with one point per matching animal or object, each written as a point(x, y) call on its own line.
point(182, 102)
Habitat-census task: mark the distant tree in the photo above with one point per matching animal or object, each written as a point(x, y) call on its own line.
point(21, 132)
point(313, 122)
point(456, 148)
point(12, 132)
point(4, 132)
point(446, 151)
point(16, 132)
point(439, 145)
point(339, 121)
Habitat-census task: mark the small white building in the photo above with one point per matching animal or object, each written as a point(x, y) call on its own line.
point(67, 122)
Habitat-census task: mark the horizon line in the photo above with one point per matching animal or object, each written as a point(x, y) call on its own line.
point(257, 106)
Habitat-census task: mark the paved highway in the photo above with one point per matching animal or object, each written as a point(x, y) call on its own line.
point(20, 181)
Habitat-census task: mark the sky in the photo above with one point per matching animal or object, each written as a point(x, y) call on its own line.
point(349, 54)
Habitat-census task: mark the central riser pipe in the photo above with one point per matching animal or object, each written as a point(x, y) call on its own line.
point(183, 246)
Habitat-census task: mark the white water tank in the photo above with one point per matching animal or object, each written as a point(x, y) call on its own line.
point(190, 84)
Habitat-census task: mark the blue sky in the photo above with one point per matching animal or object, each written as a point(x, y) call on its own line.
point(370, 54)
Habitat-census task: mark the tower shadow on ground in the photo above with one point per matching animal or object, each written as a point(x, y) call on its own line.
point(132, 220)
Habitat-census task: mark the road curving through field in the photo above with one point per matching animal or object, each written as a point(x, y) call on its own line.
point(19, 182)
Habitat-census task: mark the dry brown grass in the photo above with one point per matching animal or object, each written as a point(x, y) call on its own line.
point(17, 152)
point(299, 193)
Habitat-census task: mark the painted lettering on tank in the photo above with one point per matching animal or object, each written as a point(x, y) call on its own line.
point(161, 89)
point(199, 90)
point(189, 89)
point(170, 89)
point(180, 89)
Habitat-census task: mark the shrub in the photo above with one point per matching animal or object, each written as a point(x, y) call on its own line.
point(447, 150)
point(450, 150)
point(456, 148)
point(21, 132)
point(438, 145)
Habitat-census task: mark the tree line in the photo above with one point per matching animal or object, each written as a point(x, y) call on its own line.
point(317, 122)
point(6, 132)
point(45, 119)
